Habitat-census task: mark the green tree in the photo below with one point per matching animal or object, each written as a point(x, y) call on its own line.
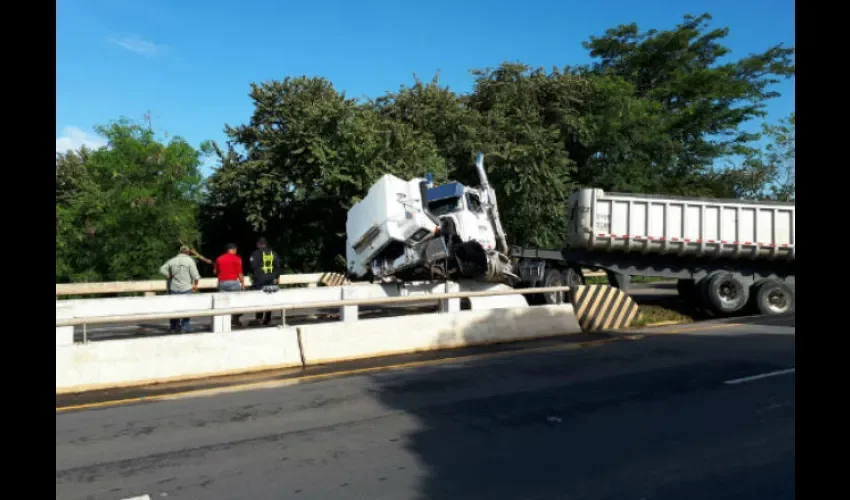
point(123, 209)
point(307, 155)
point(766, 173)
point(527, 160)
point(654, 113)
point(439, 113)
point(704, 100)
point(779, 156)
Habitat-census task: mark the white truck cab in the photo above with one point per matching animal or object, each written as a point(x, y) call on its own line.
point(463, 206)
point(413, 229)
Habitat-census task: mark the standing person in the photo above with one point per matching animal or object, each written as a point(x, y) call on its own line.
point(183, 278)
point(265, 264)
point(228, 269)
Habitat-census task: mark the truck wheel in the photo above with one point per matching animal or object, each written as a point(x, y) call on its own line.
point(573, 277)
point(773, 297)
point(725, 293)
point(553, 277)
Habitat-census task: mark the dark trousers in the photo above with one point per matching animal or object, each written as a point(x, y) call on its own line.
point(264, 317)
point(179, 325)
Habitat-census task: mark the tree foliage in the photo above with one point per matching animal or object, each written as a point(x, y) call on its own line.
point(766, 173)
point(122, 209)
point(306, 156)
point(654, 112)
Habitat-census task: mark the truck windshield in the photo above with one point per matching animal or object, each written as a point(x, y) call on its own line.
point(445, 206)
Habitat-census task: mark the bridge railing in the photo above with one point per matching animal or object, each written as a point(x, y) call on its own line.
point(346, 300)
point(129, 362)
point(153, 287)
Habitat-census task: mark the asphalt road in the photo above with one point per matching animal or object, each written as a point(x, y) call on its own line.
point(675, 414)
point(115, 331)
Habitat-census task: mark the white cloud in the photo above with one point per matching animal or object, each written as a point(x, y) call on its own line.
point(73, 138)
point(139, 45)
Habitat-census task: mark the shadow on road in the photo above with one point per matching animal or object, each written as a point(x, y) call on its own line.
point(596, 422)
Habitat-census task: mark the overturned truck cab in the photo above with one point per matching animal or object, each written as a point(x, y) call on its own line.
point(413, 230)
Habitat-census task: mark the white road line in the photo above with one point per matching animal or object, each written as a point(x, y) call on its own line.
point(760, 376)
point(143, 497)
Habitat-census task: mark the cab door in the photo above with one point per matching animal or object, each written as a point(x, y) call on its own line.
point(481, 229)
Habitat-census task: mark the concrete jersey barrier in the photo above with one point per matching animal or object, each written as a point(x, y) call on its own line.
point(121, 363)
point(134, 362)
point(332, 342)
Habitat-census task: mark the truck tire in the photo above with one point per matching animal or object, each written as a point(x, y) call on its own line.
point(573, 277)
point(699, 299)
point(553, 277)
point(773, 297)
point(725, 294)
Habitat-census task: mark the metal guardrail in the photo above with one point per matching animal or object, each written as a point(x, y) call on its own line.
point(159, 286)
point(151, 287)
point(305, 305)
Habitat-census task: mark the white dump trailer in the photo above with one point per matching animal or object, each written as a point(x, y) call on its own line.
point(726, 254)
point(669, 225)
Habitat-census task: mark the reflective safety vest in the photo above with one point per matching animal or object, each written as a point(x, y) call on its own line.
point(268, 262)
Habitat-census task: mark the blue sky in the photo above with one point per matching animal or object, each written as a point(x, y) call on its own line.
point(189, 62)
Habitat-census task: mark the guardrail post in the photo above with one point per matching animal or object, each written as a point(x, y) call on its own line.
point(450, 305)
point(351, 313)
point(221, 324)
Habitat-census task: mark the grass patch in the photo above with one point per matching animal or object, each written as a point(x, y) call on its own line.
point(655, 313)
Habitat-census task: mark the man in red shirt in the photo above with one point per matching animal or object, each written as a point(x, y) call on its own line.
point(228, 269)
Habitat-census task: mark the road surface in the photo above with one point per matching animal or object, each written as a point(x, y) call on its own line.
point(116, 331)
point(704, 411)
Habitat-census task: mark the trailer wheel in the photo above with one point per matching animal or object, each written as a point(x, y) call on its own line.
point(773, 297)
point(553, 277)
point(725, 293)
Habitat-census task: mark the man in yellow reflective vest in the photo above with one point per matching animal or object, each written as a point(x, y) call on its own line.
point(265, 266)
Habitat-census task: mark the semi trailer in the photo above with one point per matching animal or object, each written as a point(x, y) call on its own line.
point(726, 254)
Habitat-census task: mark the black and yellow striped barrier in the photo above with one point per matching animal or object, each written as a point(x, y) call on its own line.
point(334, 279)
point(603, 307)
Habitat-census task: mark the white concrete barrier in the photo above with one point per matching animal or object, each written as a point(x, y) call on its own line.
point(414, 289)
point(494, 302)
point(119, 363)
point(275, 301)
point(64, 334)
point(114, 306)
point(282, 298)
point(332, 342)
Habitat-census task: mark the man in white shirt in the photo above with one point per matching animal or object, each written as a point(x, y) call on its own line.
point(183, 278)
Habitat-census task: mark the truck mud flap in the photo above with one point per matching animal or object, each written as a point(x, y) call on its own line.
point(603, 307)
